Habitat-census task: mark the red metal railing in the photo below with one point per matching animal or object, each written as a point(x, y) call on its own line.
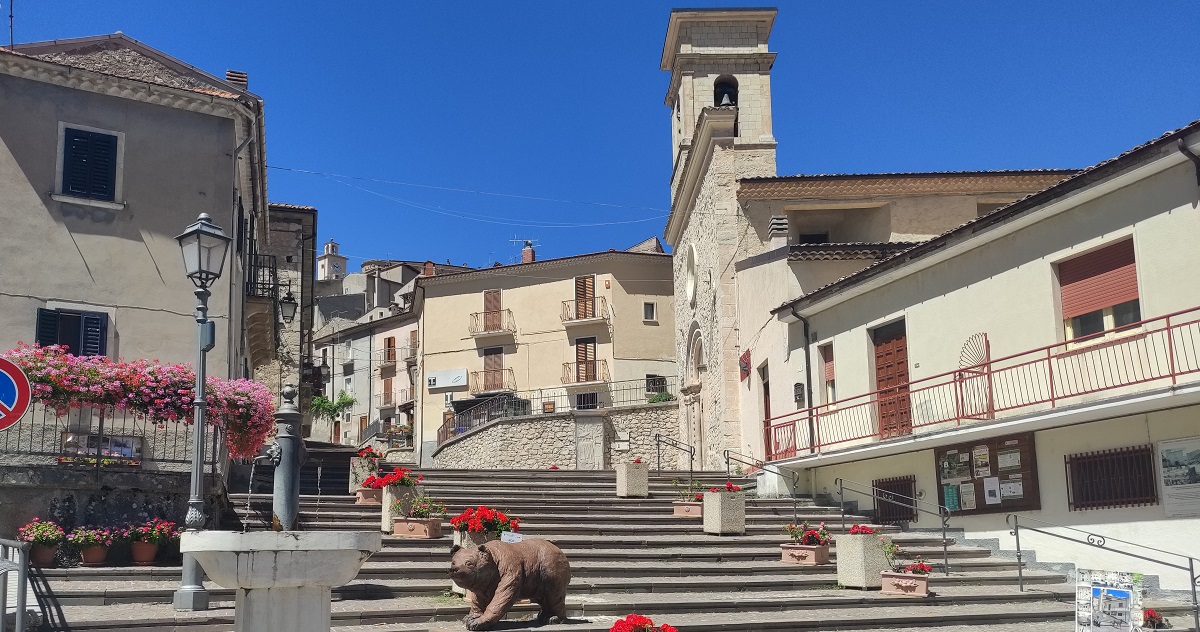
point(1062, 374)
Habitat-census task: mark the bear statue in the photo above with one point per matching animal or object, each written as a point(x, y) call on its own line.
point(499, 574)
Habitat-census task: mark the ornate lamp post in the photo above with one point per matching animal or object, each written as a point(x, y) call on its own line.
point(204, 246)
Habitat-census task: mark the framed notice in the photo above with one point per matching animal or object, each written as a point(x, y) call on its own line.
point(990, 475)
point(1179, 476)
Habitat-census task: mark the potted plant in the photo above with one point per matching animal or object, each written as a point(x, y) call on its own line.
point(144, 540)
point(633, 479)
point(1152, 620)
point(691, 500)
point(93, 543)
point(477, 526)
point(725, 510)
point(639, 623)
point(45, 536)
point(911, 581)
point(809, 546)
point(362, 467)
point(398, 485)
point(420, 518)
point(861, 558)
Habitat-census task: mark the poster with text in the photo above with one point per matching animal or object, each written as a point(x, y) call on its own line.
point(954, 467)
point(981, 457)
point(1180, 476)
point(966, 496)
point(1108, 601)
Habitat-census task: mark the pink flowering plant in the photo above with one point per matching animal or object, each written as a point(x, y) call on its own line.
point(148, 388)
point(156, 531)
point(41, 532)
point(87, 537)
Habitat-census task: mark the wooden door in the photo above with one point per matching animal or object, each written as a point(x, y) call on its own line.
point(389, 345)
point(585, 297)
point(337, 431)
point(491, 310)
point(493, 368)
point(891, 380)
point(585, 360)
point(388, 395)
point(363, 421)
point(412, 341)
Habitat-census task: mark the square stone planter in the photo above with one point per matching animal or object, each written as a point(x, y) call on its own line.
point(860, 561)
point(724, 513)
point(368, 496)
point(687, 509)
point(419, 528)
point(906, 584)
point(392, 493)
point(804, 554)
point(633, 480)
point(360, 469)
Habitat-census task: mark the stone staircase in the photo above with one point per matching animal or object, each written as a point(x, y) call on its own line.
point(627, 555)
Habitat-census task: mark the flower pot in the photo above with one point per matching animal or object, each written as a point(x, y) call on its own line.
point(94, 555)
point(360, 469)
point(468, 538)
point(42, 556)
point(860, 561)
point(143, 553)
point(633, 480)
point(724, 513)
point(391, 494)
point(687, 509)
point(906, 584)
point(805, 554)
point(367, 496)
point(420, 528)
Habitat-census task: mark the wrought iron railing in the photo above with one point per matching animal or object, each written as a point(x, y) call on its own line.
point(899, 500)
point(262, 276)
point(685, 448)
point(585, 372)
point(408, 353)
point(14, 561)
point(733, 456)
point(393, 398)
point(492, 381)
point(386, 356)
point(1158, 351)
point(493, 322)
point(584, 309)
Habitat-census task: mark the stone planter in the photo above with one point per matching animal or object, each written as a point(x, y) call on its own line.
point(367, 496)
point(724, 513)
point(860, 561)
point(143, 553)
point(687, 509)
point(906, 584)
point(633, 480)
point(360, 469)
point(468, 539)
point(391, 494)
point(94, 555)
point(805, 555)
point(420, 528)
point(42, 556)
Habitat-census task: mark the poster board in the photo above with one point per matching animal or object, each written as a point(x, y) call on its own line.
point(997, 475)
point(1108, 601)
point(1179, 476)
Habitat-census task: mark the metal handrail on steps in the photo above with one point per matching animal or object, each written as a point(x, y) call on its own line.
point(7, 566)
point(942, 512)
point(659, 440)
point(737, 457)
point(1101, 542)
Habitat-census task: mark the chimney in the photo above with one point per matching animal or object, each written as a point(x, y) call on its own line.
point(429, 269)
point(527, 254)
point(238, 78)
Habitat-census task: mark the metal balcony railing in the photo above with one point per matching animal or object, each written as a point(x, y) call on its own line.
point(386, 357)
point(585, 372)
point(584, 310)
point(1156, 352)
point(408, 354)
point(393, 398)
point(492, 323)
point(492, 381)
point(262, 277)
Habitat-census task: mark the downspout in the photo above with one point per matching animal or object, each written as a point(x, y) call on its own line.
point(1183, 149)
point(807, 376)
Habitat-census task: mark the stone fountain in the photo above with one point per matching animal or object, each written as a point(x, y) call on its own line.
point(284, 579)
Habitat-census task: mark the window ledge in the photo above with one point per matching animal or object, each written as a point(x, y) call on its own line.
point(70, 199)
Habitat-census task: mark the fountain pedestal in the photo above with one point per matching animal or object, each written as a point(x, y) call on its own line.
point(283, 578)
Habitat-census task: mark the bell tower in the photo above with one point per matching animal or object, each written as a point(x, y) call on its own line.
point(331, 265)
point(718, 58)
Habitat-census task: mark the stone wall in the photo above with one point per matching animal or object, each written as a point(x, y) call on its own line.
point(540, 441)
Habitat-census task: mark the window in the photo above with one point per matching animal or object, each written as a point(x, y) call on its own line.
point(830, 384)
point(587, 401)
point(894, 504)
point(655, 384)
point(689, 278)
point(83, 333)
point(813, 238)
point(1123, 477)
point(348, 386)
point(348, 368)
point(650, 311)
point(89, 163)
point(1099, 291)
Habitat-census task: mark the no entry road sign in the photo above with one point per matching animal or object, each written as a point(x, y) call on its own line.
point(15, 394)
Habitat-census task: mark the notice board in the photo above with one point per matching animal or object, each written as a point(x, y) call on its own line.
point(996, 475)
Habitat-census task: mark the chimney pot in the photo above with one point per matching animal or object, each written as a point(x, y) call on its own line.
point(238, 78)
point(527, 253)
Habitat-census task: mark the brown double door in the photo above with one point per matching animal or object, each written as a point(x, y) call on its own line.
point(585, 297)
point(585, 360)
point(493, 369)
point(891, 380)
point(492, 320)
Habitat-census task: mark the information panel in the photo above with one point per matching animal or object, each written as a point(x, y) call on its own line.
point(989, 476)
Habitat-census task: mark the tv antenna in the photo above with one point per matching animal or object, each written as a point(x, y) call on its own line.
point(523, 241)
point(10, 24)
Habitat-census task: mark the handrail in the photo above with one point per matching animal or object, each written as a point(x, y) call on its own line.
point(1101, 541)
point(678, 445)
point(943, 513)
point(21, 566)
point(766, 467)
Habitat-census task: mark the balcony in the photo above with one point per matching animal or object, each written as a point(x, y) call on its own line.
point(499, 323)
point(585, 312)
point(261, 308)
point(408, 354)
point(492, 381)
point(1154, 354)
point(386, 357)
point(588, 373)
point(393, 399)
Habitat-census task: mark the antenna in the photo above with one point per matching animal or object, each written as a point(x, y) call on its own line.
point(524, 241)
point(10, 24)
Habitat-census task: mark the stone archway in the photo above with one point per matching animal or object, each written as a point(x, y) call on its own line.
point(693, 430)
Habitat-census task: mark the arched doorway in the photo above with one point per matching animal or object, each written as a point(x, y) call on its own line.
point(693, 392)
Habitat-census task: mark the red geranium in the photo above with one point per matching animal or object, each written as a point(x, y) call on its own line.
point(918, 567)
point(400, 476)
point(638, 623)
point(729, 487)
point(370, 453)
point(861, 529)
point(552, 467)
point(484, 520)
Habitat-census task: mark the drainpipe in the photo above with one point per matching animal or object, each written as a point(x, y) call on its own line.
point(1183, 149)
point(807, 376)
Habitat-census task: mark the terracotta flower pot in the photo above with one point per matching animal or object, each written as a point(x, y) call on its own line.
point(687, 509)
point(366, 496)
point(94, 555)
point(143, 553)
point(421, 528)
point(42, 556)
point(906, 584)
point(805, 554)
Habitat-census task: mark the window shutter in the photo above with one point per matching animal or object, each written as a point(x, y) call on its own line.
point(89, 164)
point(47, 327)
point(1098, 279)
point(95, 334)
point(76, 144)
point(412, 339)
point(102, 174)
point(827, 356)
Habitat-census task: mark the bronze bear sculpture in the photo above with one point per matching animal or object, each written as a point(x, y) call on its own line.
point(499, 574)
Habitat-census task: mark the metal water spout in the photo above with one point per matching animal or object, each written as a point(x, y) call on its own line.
point(288, 454)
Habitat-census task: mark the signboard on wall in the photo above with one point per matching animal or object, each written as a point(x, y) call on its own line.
point(1108, 601)
point(1179, 476)
point(744, 365)
point(449, 378)
point(988, 476)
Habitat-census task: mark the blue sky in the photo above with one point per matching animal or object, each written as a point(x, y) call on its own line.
point(564, 101)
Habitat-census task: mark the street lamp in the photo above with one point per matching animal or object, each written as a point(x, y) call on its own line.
point(287, 307)
point(204, 246)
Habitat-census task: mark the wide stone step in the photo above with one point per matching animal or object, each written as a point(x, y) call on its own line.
point(581, 498)
point(676, 526)
point(768, 553)
point(662, 517)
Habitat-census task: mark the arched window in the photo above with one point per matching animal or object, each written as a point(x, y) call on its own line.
point(725, 91)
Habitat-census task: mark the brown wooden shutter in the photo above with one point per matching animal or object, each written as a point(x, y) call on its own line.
point(491, 310)
point(585, 358)
point(412, 339)
point(827, 357)
point(387, 390)
point(585, 296)
point(1099, 279)
point(493, 368)
point(389, 345)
